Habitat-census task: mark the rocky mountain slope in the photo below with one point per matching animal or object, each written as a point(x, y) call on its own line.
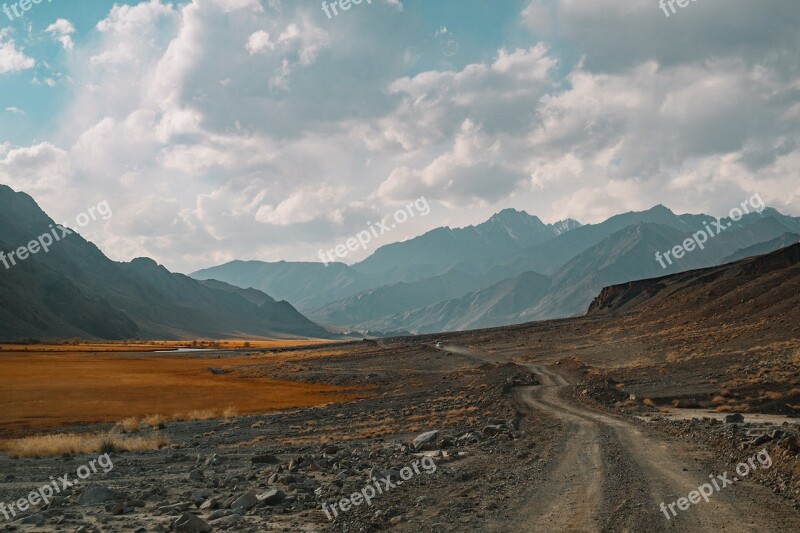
point(75, 291)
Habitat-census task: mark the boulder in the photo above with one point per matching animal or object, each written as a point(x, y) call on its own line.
point(189, 523)
point(265, 459)
point(734, 418)
point(97, 495)
point(272, 497)
point(246, 502)
point(425, 439)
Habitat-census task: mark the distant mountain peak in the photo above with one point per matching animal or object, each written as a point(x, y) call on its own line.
point(660, 208)
point(513, 216)
point(563, 226)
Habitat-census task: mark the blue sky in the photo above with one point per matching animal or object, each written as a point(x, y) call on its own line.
point(40, 102)
point(261, 129)
point(477, 27)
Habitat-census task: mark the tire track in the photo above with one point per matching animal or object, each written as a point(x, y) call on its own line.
point(613, 475)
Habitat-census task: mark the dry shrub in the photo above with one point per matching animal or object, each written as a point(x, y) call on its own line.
point(724, 408)
point(67, 444)
point(230, 412)
point(129, 425)
point(648, 402)
point(718, 399)
point(195, 416)
point(155, 421)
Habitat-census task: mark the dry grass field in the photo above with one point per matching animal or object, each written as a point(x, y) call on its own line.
point(53, 388)
point(154, 346)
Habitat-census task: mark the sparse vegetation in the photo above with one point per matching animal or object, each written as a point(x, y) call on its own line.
point(155, 421)
point(153, 387)
point(129, 425)
point(195, 416)
point(68, 444)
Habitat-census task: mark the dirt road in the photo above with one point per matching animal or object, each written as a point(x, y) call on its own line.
point(613, 474)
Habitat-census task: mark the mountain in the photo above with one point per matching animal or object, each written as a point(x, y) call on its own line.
point(306, 285)
point(626, 255)
point(550, 256)
point(313, 286)
point(441, 249)
point(461, 278)
point(74, 290)
point(630, 255)
point(787, 239)
point(499, 304)
point(743, 292)
point(365, 307)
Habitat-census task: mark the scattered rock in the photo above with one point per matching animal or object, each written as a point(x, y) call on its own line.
point(272, 497)
point(97, 495)
point(734, 418)
point(425, 439)
point(266, 459)
point(189, 523)
point(246, 502)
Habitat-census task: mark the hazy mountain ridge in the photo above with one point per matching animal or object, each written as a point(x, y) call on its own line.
point(483, 275)
point(716, 292)
point(75, 290)
point(443, 248)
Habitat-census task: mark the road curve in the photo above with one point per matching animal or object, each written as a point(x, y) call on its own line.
point(613, 474)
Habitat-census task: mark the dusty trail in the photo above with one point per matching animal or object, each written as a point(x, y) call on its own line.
point(612, 475)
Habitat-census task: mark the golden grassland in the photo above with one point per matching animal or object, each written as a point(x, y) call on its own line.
point(46, 390)
point(66, 444)
point(154, 346)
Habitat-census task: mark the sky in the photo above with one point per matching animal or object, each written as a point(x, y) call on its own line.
point(265, 129)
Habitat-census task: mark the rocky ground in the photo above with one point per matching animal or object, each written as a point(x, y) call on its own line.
point(275, 471)
point(506, 456)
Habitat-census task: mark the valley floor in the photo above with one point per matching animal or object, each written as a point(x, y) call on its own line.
point(529, 439)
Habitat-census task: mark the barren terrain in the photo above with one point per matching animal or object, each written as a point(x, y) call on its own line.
point(583, 424)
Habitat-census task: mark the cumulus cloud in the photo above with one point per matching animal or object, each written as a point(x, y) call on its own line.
point(12, 59)
point(323, 202)
point(39, 168)
point(259, 42)
point(61, 31)
point(239, 128)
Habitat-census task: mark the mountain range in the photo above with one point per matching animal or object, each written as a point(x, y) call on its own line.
point(512, 268)
point(75, 291)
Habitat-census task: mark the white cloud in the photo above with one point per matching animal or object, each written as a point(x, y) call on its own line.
point(307, 204)
point(259, 42)
point(266, 132)
point(35, 169)
point(61, 31)
point(12, 59)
